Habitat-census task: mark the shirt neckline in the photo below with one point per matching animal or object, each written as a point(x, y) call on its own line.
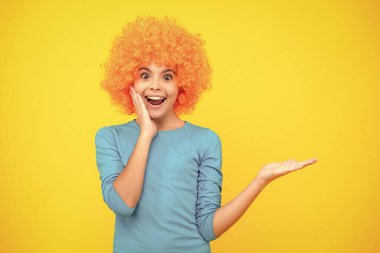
point(166, 131)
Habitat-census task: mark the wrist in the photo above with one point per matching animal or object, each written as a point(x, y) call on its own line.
point(145, 137)
point(262, 183)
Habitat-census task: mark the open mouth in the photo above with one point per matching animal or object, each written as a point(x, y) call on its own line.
point(155, 101)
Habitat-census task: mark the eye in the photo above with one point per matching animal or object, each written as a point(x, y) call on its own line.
point(168, 77)
point(144, 75)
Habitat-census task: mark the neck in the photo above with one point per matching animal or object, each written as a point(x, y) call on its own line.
point(166, 123)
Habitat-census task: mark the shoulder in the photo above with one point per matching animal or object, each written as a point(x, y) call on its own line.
point(199, 128)
point(115, 131)
point(210, 144)
point(104, 136)
point(207, 136)
point(102, 131)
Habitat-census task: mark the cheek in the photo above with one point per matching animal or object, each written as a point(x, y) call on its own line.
point(174, 95)
point(173, 91)
point(139, 88)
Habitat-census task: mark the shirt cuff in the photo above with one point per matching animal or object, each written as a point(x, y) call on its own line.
point(119, 206)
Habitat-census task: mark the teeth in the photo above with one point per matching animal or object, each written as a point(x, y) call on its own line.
point(155, 98)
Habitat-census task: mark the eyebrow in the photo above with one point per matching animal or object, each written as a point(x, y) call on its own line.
point(165, 70)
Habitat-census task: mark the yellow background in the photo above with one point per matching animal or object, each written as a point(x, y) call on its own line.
point(292, 79)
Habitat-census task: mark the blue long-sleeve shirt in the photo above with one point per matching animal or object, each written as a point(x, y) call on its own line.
point(181, 190)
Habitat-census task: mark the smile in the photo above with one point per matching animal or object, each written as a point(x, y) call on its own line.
point(155, 102)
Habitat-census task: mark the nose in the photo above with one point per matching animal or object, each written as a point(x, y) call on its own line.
point(155, 84)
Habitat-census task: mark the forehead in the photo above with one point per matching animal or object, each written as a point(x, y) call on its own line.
point(156, 68)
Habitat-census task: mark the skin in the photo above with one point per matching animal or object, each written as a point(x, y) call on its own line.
point(150, 81)
point(151, 120)
point(228, 214)
point(160, 81)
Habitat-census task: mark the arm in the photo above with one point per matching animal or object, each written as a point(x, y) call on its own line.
point(229, 213)
point(212, 219)
point(130, 182)
point(209, 185)
point(121, 193)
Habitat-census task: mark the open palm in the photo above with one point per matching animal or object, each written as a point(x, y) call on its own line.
point(274, 170)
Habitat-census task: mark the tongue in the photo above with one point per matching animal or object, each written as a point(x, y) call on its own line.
point(155, 102)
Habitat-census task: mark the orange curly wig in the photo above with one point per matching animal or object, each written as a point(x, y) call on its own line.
point(163, 41)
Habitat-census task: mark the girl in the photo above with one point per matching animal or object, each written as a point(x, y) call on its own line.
point(161, 175)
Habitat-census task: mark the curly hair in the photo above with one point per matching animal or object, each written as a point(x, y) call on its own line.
point(165, 42)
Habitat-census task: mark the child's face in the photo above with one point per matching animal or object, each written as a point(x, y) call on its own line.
point(158, 81)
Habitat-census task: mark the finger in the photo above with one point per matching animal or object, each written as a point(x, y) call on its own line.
point(309, 161)
point(133, 99)
point(131, 93)
point(300, 165)
point(289, 162)
point(295, 166)
point(141, 103)
point(138, 104)
point(313, 160)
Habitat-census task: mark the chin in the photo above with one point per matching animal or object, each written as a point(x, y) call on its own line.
point(155, 115)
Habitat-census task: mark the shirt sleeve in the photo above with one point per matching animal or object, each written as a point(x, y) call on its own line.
point(209, 186)
point(109, 164)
